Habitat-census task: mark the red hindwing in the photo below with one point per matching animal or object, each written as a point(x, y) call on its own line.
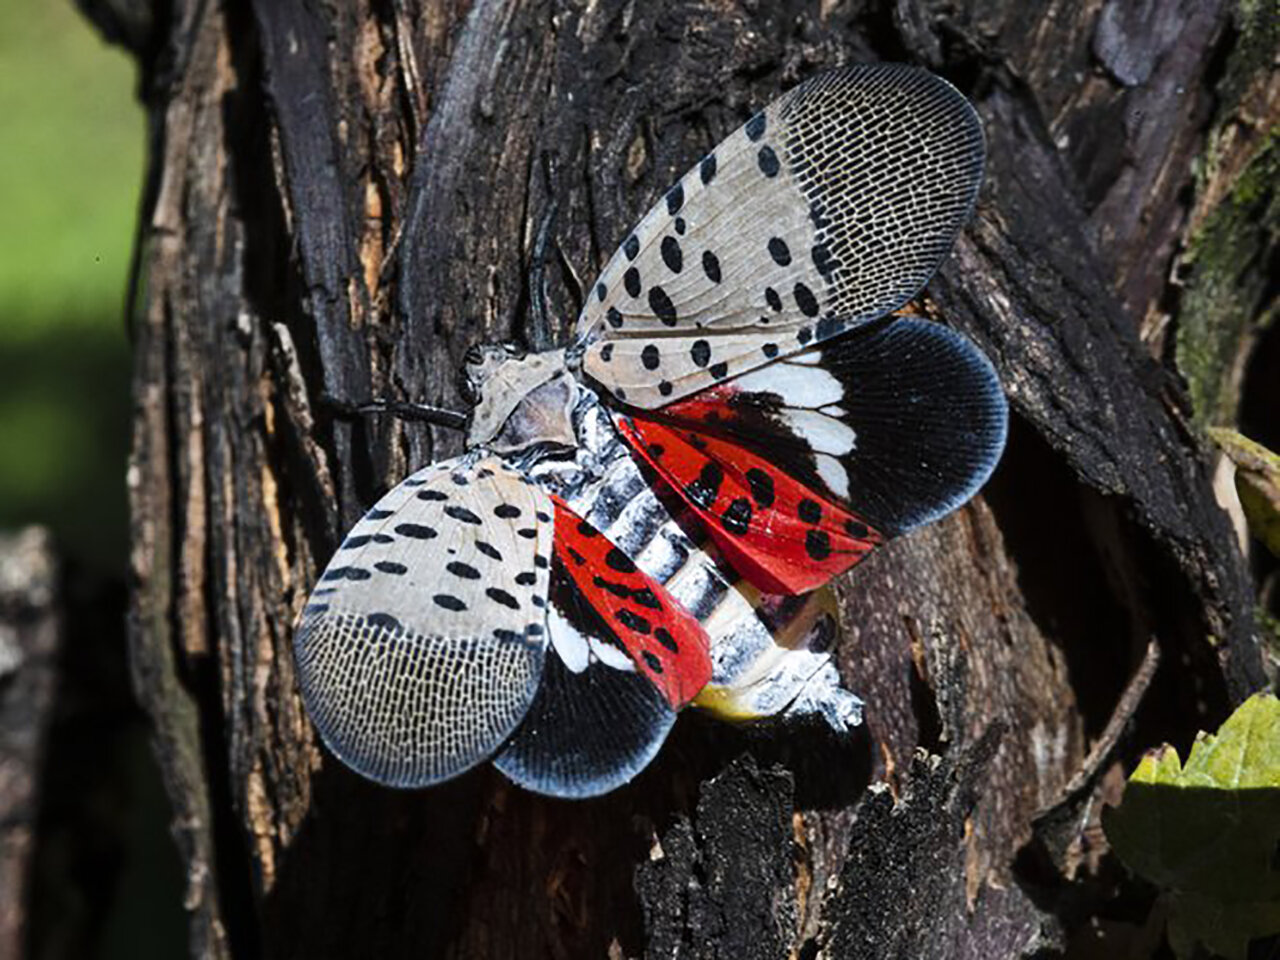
point(664, 640)
point(779, 535)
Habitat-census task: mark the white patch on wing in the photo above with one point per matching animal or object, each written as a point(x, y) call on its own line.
point(571, 645)
point(610, 655)
point(824, 434)
point(833, 474)
point(810, 358)
point(796, 386)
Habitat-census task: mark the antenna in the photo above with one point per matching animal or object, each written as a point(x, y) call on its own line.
point(404, 409)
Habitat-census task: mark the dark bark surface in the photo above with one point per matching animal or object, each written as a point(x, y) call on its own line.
point(30, 641)
point(342, 200)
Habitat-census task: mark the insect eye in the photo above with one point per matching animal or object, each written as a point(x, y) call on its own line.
point(469, 388)
point(474, 356)
point(514, 350)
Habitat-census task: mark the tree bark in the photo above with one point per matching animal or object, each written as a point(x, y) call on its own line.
point(342, 200)
point(31, 620)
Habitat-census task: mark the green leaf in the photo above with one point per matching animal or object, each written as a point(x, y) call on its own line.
point(1257, 484)
point(1208, 832)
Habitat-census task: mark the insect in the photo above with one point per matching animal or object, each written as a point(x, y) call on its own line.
point(645, 518)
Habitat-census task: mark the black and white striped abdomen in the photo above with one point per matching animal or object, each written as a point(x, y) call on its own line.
point(606, 487)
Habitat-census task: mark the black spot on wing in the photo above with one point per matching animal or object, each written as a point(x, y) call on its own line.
point(737, 518)
point(700, 353)
point(755, 127)
point(633, 621)
point(662, 306)
point(779, 251)
point(707, 169)
point(449, 602)
point(768, 161)
point(856, 530)
point(675, 199)
point(416, 531)
point(384, 621)
point(461, 514)
point(346, 573)
point(817, 544)
point(615, 559)
point(498, 595)
point(761, 485)
point(706, 488)
point(646, 598)
point(631, 247)
point(711, 266)
point(806, 301)
point(619, 590)
point(672, 255)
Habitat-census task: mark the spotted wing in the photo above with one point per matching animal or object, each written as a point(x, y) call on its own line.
point(798, 469)
point(628, 657)
point(831, 207)
point(421, 648)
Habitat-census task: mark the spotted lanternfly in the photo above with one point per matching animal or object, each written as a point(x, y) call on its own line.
point(645, 519)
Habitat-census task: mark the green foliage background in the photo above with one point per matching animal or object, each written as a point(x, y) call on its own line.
point(71, 149)
point(105, 881)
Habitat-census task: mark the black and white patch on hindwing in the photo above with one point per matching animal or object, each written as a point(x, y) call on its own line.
point(902, 420)
point(594, 723)
point(830, 208)
point(423, 642)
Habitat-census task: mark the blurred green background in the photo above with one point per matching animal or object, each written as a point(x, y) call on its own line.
point(71, 162)
point(104, 879)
